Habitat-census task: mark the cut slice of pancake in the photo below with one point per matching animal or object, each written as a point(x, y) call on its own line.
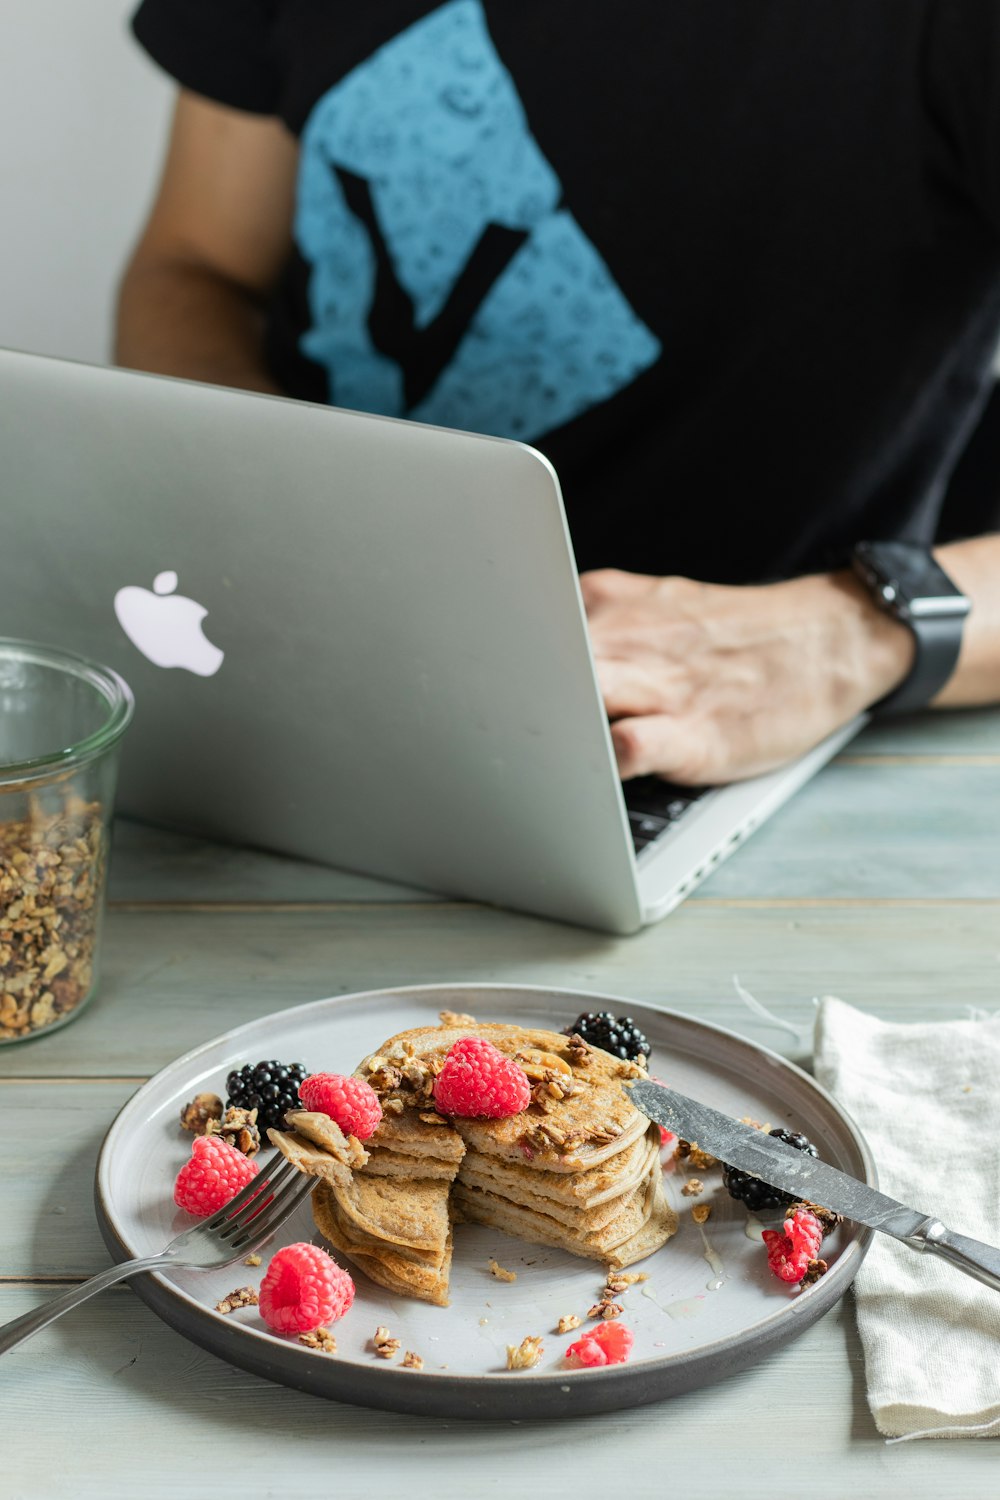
point(407, 1215)
point(326, 1133)
point(425, 1279)
point(309, 1158)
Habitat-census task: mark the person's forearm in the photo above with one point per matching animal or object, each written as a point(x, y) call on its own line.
point(974, 567)
point(185, 320)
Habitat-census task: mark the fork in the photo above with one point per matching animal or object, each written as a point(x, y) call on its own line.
point(229, 1235)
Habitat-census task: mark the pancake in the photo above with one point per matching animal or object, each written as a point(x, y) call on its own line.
point(578, 1168)
point(649, 1225)
point(583, 1190)
point(570, 1134)
point(424, 1279)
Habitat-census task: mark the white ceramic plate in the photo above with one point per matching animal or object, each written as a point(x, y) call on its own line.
point(710, 1306)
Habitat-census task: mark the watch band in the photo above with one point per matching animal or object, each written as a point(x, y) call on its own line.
point(938, 642)
point(906, 581)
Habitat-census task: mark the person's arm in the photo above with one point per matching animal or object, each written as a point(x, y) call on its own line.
point(705, 684)
point(191, 297)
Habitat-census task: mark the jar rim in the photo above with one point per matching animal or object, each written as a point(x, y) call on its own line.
point(113, 689)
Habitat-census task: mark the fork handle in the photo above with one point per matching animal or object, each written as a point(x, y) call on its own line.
point(19, 1329)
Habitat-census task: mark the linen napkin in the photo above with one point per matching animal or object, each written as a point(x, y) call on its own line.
point(927, 1096)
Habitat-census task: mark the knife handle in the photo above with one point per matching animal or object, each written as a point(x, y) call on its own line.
point(971, 1256)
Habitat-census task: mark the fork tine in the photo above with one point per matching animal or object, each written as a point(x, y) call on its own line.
point(275, 1213)
point(277, 1169)
point(254, 1207)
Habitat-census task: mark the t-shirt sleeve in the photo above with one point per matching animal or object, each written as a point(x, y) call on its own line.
point(962, 80)
point(218, 48)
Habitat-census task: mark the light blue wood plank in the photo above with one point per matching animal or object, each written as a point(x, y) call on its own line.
point(876, 831)
point(956, 732)
point(125, 1406)
point(52, 1134)
point(155, 864)
point(176, 978)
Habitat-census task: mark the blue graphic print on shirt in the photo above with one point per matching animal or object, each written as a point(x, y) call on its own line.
point(448, 283)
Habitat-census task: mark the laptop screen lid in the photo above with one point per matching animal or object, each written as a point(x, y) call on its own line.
point(351, 638)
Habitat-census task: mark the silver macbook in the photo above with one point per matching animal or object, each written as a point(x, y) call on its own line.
point(353, 639)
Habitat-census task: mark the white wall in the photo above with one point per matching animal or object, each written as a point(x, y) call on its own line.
point(83, 115)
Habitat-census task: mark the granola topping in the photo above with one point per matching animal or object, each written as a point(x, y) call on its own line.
point(455, 1018)
point(319, 1338)
point(239, 1128)
point(693, 1187)
point(701, 1212)
point(578, 1051)
point(412, 1361)
point(826, 1216)
point(814, 1270)
point(605, 1309)
point(51, 879)
point(386, 1347)
point(499, 1273)
point(252, 1260)
point(526, 1354)
point(244, 1296)
point(568, 1323)
point(197, 1115)
point(699, 1160)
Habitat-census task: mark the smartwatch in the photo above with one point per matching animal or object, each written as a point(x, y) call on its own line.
point(903, 579)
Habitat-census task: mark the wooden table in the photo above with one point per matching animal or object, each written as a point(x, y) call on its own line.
point(879, 883)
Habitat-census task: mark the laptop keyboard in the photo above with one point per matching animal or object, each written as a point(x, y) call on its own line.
point(655, 806)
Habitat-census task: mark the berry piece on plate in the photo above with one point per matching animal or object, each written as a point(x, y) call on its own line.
point(350, 1102)
point(756, 1194)
point(608, 1344)
point(478, 1081)
point(271, 1088)
point(212, 1176)
point(303, 1288)
point(789, 1254)
point(618, 1035)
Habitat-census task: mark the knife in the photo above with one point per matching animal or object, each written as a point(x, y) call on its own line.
point(813, 1181)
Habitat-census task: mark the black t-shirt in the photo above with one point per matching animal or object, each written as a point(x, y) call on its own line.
point(734, 265)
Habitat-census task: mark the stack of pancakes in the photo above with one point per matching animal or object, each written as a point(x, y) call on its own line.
point(579, 1169)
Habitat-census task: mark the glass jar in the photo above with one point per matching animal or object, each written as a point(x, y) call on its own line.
point(61, 723)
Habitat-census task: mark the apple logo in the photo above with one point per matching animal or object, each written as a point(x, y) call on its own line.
point(166, 627)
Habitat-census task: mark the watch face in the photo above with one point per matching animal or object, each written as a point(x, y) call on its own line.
point(909, 580)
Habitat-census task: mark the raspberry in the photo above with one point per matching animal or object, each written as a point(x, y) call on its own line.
point(212, 1176)
point(303, 1288)
point(607, 1344)
point(351, 1102)
point(477, 1079)
point(789, 1254)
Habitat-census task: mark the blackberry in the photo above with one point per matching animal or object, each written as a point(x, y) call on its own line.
point(618, 1035)
point(759, 1195)
point(271, 1088)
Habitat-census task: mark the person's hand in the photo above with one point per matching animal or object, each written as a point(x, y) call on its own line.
point(705, 684)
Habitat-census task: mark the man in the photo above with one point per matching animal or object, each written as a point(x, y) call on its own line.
point(734, 267)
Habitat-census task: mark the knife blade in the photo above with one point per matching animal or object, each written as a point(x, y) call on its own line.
point(811, 1180)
